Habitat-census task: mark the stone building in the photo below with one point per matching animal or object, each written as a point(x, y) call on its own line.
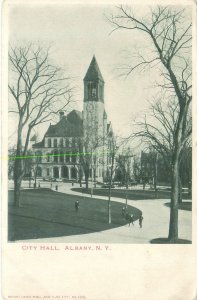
point(59, 153)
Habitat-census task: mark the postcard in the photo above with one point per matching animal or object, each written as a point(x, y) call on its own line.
point(99, 150)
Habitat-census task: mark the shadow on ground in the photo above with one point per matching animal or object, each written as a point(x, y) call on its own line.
point(45, 213)
point(187, 205)
point(131, 194)
point(166, 241)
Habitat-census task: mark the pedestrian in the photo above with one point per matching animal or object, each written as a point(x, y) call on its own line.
point(123, 211)
point(131, 220)
point(140, 220)
point(77, 206)
point(72, 183)
point(56, 187)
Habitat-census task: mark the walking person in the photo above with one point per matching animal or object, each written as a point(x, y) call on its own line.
point(140, 220)
point(131, 220)
point(123, 211)
point(77, 206)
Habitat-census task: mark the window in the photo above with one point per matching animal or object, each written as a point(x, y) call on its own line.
point(67, 143)
point(61, 142)
point(61, 156)
point(48, 171)
point(56, 172)
point(48, 157)
point(39, 156)
point(49, 143)
point(39, 171)
point(55, 157)
point(92, 92)
point(55, 143)
point(74, 157)
point(101, 92)
point(67, 157)
point(64, 172)
point(73, 143)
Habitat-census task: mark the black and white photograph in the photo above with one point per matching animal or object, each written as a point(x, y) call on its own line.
point(99, 115)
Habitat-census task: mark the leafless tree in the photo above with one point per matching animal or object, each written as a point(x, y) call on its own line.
point(38, 89)
point(157, 130)
point(115, 146)
point(125, 169)
point(11, 155)
point(93, 143)
point(169, 31)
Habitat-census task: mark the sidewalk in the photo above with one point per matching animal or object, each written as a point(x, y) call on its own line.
point(155, 223)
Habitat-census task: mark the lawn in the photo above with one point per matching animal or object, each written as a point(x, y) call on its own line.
point(132, 194)
point(45, 213)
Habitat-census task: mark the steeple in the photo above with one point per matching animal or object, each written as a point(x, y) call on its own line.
point(93, 72)
point(93, 83)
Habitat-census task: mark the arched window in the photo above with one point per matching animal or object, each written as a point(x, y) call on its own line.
point(55, 172)
point(92, 92)
point(74, 173)
point(55, 143)
point(39, 171)
point(64, 172)
point(49, 143)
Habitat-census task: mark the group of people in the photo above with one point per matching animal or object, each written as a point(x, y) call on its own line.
point(129, 217)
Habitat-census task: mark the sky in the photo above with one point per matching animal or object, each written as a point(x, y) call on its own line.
point(76, 33)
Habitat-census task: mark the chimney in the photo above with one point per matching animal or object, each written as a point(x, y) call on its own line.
point(61, 114)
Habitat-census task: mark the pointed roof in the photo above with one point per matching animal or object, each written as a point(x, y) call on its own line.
point(93, 72)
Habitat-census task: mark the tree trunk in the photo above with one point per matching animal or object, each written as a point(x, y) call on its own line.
point(18, 168)
point(180, 190)
point(86, 180)
point(173, 228)
point(155, 180)
point(17, 190)
point(109, 205)
point(126, 195)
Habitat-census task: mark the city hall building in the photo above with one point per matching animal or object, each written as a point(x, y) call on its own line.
point(78, 135)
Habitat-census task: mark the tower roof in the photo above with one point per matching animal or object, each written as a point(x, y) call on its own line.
point(93, 72)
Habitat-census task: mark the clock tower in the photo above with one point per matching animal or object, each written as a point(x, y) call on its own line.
point(93, 106)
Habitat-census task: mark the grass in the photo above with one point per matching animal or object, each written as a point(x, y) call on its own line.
point(132, 194)
point(45, 213)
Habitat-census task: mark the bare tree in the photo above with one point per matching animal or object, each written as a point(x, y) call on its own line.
point(93, 143)
point(125, 169)
point(37, 88)
point(157, 131)
point(169, 31)
point(115, 146)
